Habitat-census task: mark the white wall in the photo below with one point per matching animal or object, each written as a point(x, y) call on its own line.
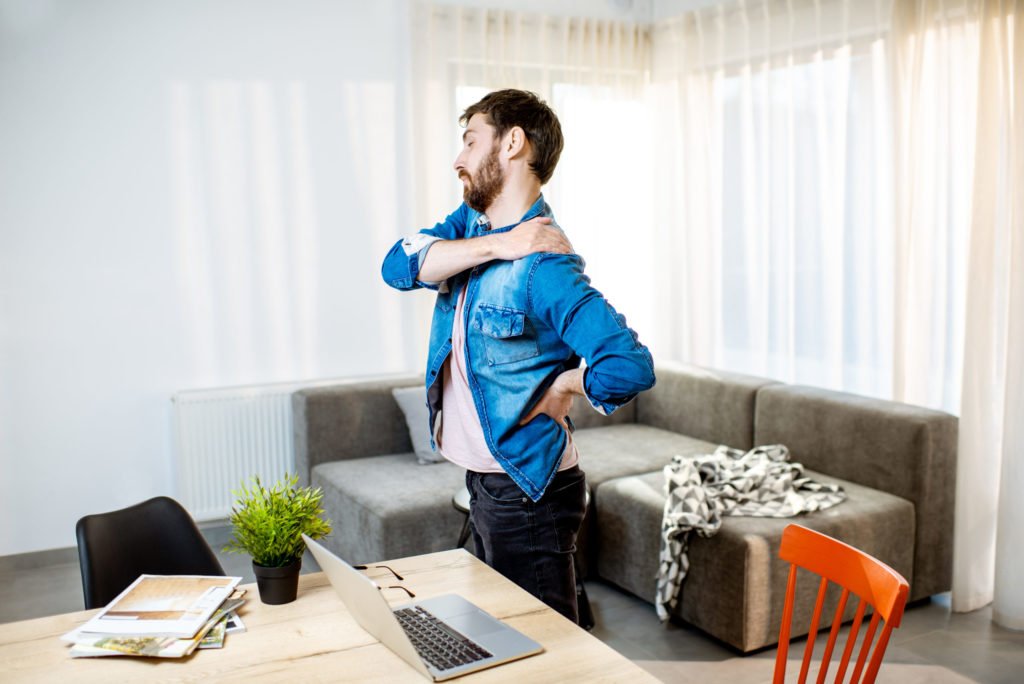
point(192, 194)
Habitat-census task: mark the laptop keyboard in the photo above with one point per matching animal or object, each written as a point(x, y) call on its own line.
point(436, 642)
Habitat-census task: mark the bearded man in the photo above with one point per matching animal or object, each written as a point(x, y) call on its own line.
point(514, 317)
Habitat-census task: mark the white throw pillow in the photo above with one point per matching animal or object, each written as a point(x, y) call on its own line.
point(413, 402)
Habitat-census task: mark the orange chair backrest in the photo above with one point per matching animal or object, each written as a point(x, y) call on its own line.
point(875, 583)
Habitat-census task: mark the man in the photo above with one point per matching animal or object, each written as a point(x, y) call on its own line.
point(513, 318)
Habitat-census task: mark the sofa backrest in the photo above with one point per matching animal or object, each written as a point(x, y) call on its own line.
point(348, 420)
point(712, 405)
point(584, 416)
point(361, 418)
point(905, 450)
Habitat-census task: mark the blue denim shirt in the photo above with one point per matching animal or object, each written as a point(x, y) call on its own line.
point(526, 322)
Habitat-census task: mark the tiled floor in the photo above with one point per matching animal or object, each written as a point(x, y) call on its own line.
point(932, 645)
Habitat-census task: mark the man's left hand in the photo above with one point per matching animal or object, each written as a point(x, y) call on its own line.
point(557, 401)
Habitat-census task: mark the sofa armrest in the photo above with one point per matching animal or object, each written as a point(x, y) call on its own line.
point(905, 450)
point(712, 405)
point(348, 420)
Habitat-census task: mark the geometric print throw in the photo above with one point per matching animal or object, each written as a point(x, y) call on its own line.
point(699, 490)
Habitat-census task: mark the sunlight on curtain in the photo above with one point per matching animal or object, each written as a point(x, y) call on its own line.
point(999, 179)
point(779, 190)
point(988, 537)
point(842, 184)
point(830, 172)
point(593, 74)
point(936, 62)
point(603, 189)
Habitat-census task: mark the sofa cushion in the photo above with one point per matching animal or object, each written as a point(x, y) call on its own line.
point(615, 451)
point(737, 583)
point(413, 402)
point(371, 523)
point(388, 507)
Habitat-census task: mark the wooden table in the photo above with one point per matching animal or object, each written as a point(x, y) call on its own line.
point(314, 639)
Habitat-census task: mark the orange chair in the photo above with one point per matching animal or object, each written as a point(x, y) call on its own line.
point(875, 583)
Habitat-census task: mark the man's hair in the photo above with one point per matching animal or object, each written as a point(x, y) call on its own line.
point(505, 109)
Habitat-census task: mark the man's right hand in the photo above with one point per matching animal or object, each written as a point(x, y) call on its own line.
point(530, 237)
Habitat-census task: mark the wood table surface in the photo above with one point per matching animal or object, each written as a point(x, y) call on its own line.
point(314, 639)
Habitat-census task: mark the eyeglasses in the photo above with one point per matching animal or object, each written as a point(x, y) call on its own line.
point(392, 586)
point(366, 567)
point(397, 586)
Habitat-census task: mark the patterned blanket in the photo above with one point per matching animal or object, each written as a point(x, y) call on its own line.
point(701, 489)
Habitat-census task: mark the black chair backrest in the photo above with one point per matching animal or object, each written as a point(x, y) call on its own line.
point(156, 537)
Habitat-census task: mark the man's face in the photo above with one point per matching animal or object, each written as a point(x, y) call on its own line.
point(478, 164)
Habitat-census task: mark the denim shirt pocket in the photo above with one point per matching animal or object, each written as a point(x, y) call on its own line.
point(507, 334)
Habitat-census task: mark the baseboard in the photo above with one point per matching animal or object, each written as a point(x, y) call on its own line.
point(217, 533)
point(34, 560)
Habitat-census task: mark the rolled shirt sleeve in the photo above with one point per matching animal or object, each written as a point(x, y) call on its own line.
point(401, 265)
point(416, 247)
point(618, 366)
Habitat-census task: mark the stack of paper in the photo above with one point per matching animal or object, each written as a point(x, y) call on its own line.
point(166, 616)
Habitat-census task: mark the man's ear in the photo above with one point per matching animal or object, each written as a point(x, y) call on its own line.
point(514, 143)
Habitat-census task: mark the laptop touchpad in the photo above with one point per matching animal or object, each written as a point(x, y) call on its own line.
point(473, 624)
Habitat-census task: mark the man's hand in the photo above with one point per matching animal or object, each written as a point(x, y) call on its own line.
point(557, 401)
point(530, 237)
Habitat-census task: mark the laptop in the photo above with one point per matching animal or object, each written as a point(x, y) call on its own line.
point(441, 637)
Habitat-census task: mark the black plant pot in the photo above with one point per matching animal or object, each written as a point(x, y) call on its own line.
point(278, 585)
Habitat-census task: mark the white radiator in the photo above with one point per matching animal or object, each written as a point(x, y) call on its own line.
point(224, 437)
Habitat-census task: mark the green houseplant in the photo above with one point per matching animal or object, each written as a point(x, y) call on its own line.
point(268, 524)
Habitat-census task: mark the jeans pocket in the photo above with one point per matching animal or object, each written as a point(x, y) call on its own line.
point(500, 489)
point(566, 480)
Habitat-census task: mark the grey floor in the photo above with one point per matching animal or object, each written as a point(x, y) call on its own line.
point(932, 645)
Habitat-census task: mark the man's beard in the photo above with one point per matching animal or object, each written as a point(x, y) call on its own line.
point(485, 186)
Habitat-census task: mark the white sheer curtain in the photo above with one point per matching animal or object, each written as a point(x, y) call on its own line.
point(594, 74)
point(830, 167)
point(997, 334)
point(778, 188)
point(982, 42)
point(935, 67)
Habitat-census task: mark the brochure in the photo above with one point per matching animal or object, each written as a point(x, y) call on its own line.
point(175, 606)
point(235, 624)
point(211, 635)
point(215, 637)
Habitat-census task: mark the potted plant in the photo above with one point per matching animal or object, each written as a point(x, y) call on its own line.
point(268, 524)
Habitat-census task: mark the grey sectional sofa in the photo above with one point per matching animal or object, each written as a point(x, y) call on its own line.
point(895, 461)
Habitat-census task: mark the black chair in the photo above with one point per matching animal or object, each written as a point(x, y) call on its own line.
point(156, 537)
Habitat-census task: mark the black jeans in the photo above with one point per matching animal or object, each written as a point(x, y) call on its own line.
point(530, 543)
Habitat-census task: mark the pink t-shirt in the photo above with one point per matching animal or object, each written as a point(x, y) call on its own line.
point(460, 438)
